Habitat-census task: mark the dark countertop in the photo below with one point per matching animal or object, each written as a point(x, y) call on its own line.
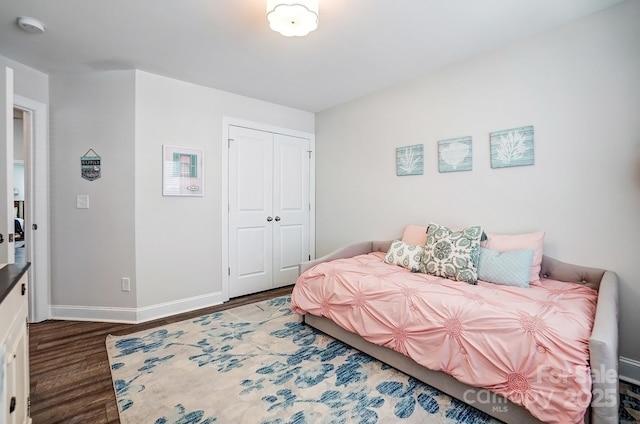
point(9, 277)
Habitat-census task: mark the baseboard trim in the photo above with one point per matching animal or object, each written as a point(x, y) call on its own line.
point(135, 315)
point(629, 370)
point(148, 313)
point(94, 313)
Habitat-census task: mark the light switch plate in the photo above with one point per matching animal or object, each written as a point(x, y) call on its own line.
point(82, 201)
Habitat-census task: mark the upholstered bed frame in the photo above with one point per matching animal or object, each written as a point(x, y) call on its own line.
point(603, 343)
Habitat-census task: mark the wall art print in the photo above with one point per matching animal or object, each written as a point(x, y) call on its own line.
point(513, 147)
point(455, 154)
point(182, 171)
point(410, 160)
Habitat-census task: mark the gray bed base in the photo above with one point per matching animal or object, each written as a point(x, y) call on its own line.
point(603, 343)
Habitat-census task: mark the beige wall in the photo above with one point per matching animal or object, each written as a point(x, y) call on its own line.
point(579, 86)
point(178, 239)
point(170, 247)
point(27, 81)
point(91, 249)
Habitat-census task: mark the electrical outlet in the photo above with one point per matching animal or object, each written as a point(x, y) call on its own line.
point(126, 284)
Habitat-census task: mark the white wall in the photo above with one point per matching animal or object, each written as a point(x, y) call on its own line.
point(28, 82)
point(170, 247)
point(18, 158)
point(579, 86)
point(18, 139)
point(178, 239)
point(18, 180)
point(91, 249)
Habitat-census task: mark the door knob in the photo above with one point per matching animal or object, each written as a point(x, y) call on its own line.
point(1, 238)
point(269, 219)
point(277, 218)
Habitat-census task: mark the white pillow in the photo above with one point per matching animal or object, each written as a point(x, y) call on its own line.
point(405, 255)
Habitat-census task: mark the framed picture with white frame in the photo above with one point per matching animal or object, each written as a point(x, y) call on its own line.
point(182, 171)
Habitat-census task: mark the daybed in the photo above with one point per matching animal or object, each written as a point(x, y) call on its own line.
point(551, 389)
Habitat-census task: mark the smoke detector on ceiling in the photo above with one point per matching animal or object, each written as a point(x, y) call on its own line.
point(31, 25)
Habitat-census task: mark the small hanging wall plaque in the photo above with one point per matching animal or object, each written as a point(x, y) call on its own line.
point(90, 168)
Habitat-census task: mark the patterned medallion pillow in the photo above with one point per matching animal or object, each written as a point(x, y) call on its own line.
point(452, 254)
point(406, 255)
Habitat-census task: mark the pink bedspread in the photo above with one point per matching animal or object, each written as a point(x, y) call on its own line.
point(530, 345)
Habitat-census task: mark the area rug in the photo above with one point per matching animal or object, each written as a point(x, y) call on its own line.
point(629, 403)
point(259, 364)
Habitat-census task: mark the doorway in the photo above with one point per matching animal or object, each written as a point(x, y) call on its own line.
point(19, 144)
point(31, 204)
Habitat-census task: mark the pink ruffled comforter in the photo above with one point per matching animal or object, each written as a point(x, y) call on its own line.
point(529, 345)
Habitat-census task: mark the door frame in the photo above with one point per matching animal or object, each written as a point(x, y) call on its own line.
point(226, 123)
point(37, 207)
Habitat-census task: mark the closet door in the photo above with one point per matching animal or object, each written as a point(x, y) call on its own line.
point(291, 207)
point(269, 209)
point(250, 211)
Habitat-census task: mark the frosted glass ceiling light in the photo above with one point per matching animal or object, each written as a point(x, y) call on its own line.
point(293, 17)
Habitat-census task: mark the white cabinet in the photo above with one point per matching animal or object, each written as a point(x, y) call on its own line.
point(269, 209)
point(14, 350)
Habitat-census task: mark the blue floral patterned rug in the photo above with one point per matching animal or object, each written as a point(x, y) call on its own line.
point(629, 403)
point(258, 364)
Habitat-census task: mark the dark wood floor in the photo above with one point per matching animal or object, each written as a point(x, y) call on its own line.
point(70, 376)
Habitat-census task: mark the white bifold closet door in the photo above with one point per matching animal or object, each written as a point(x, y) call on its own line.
point(269, 209)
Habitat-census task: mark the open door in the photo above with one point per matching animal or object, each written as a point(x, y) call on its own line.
point(36, 204)
point(7, 252)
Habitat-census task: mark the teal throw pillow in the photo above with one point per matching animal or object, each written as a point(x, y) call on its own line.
point(507, 268)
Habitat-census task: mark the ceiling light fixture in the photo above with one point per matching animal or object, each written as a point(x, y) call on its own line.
point(31, 25)
point(293, 17)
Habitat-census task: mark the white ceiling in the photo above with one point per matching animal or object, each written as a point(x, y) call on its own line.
point(361, 46)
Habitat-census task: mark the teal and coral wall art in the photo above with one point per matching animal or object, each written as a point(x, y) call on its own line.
point(513, 147)
point(455, 154)
point(410, 160)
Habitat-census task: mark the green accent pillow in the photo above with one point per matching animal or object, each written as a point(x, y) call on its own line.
point(406, 255)
point(507, 268)
point(452, 254)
